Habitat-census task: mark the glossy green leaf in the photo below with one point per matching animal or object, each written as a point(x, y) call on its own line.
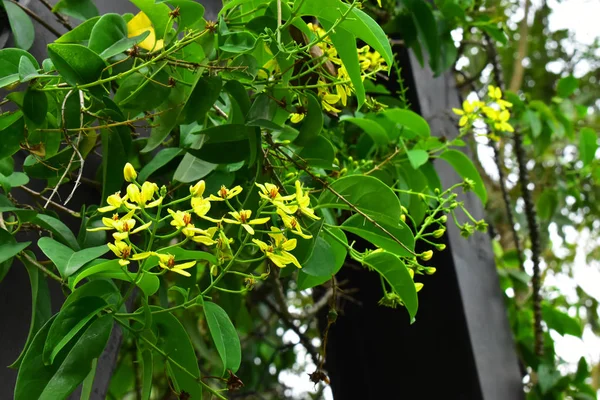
point(138, 93)
point(77, 64)
point(10, 60)
point(123, 45)
point(168, 119)
point(147, 370)
point(191, 169)
point(80, 34)
point(35, 106)
point(161, 159)
point(546, 204)
point(588, 144)
point(397, 276)
point(115, 143)
point(109, 29)
point(567, 86)
point(358, 225)
point(158, 14)
point(312, 124)
point(41, 309)
point(313, 264)
point(224, 336)
point(67, 324)
point(173, 340)
point(345, 44)
point(20, 25)
point(465, 168)
point(191, 14)
point(88, 383)
point(424, 20)
point(12, 129)
point(147, 283)
point(10, 248)
point(417, 157)
point(61, 232)
point(66, 260)
point(27, 70)
point(57, 381)
point(318, 153)
point(371, 128)
point(205, 94)
point(561, 322)
point(80, 9)
point(368, 194)
point(409, 121)
point(103, 288)
point(224, 144)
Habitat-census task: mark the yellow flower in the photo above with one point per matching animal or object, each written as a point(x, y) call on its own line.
point(143, 196)
point(181, 219)
point(123, 251)
point(200, 205)
point(114, 202)
point(226, 194)
point(167, 261)
point(205, 237)
point(198, 189)
point(293, 224)
point(123, 226)
point(328, 100)
point(296, 117)
point(270, 192)
point(495, 94)
point(303, 200)
point(243, 218)
point(129, 173)
point(501, 123)
point(279, 249)
point(140, 24)
point(468, 112)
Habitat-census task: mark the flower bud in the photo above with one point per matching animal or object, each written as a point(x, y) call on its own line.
point(438, 233)
point(403, 218)
point(129, 173)
point(443, 219)
point(440, 246)
point(198, 189)
point(430, 270)
point(418, 286)
point(426, 255)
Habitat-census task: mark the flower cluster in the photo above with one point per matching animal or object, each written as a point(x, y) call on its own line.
point(495, 112)
point(139, 209)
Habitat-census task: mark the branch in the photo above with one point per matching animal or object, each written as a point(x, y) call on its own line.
point(59, 17)
point(45, 270)
point(519, 70)
point(39, 19)
point(50, 202)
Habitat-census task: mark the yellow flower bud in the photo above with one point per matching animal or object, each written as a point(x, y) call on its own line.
point(403, 218)
point(443, 219)
point(426, 255)
point(418, 286)
point(198, 189)
point(129, 173)
point(438, 233)
point(430, 270)
point(441, 247)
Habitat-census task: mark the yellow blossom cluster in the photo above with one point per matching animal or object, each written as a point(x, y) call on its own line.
point(139, 199)
point(495, 112)
point(334, 95)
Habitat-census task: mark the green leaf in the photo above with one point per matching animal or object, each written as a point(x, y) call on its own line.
point(138, 93)
point(110, 29)
point(147, 370)
point(345, 44)
point(147, 283)
point(123, 45)
point(10, 60)
point(371, 128)
point(20, 25)
point(80, 34)
point(191, 169)
point(103, 288)
point(41, 310)
point(57, 381)
point(224, 144)
point(358, 225)
point(566, 86)
point(27, 71)
point(88, 382)
point(114, 149)
point(158, 14)
point(427, 29)
point(12, 128)
point(546, 204)
point(318, 153)
point(224, 336)
point(77, 64)
point(167, 120)
point(588, 144)
point(174, 341)
point(397, 276)
point(161, 159)
point(67, 324)
point(465, 168)
point(237, 42)
point(312, 122)
point(66, 260)
point(408, 121)
point(561, 322)
point(368, 194)
point(35, 106)
point(205, 94)
point(61, 232)
point(80, 9)
point(417, 157)
point(191, 14)
point(10, 248)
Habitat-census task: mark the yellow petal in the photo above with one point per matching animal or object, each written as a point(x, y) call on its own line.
point(140, 24)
